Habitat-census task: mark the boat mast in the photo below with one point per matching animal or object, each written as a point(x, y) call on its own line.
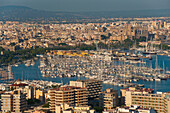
point(163, 68)
point(156, 63)
point(146, 44)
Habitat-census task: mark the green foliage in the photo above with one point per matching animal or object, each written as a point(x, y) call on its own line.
point(10, 57)
point(20, 55)
point(98, 109)
point(102, 45)
point(12, 88)
point(55, 86)
point(62, 44)
point(12, 44)
point(47, 105)
point(2, 49)
point(48, 100)
point(86, 47)
point(141, 39)
point(122, 105)
point(30, 102)
point(103, 37)
point(33, 101)
point(127, 43)
point(58, 38)
point(37, 101)
point(109, 34)
point(164, 46)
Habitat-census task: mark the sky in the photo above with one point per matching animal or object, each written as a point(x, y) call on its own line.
point(90, 5)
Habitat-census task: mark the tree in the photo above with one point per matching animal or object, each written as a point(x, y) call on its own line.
point(12, 44)
point(104, 37)
point(62, 44)
point(55, 86)
point(47, 105)
point(98, 109)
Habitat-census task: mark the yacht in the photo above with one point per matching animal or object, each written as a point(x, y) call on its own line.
point(157, 79)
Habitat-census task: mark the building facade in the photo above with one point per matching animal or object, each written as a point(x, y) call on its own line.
point(74, 96)
point(136, 90)
point(94, 87)
point(110, 98)
point(14, 101)
point(159, 101)
point(7, 102)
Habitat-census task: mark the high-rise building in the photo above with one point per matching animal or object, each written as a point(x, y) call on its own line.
point(156, 101)
point(7, 102)
point(14, 101)
point(74, 96)
point(65, 108)
point(28, 90)
point(110, 98)
point(94, 87)
point(40, 95)
point(19, 102)
point(145, 98)
point(136, 90)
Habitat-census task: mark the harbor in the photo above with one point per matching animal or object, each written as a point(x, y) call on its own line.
point(117, 74)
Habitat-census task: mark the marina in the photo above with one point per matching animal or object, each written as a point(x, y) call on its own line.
point(116, 79)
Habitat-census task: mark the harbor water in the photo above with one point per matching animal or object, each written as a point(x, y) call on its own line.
point(33, 73)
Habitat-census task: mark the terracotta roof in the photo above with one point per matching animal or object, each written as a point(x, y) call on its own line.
point(19, 80)
point(21, 84)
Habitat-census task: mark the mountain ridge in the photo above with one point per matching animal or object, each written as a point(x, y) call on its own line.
point(22, 12)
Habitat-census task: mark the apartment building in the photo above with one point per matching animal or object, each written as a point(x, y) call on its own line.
point(7, 102)
point(28, 90)
point(14, 101)
point(159, 102)
point(65, 108)
point(17, 86)
point(19, 102)
point(131, 109)
point(40, 95)
point(74, 96)
point(136, 90)
point(110, 98)
point(93, 86)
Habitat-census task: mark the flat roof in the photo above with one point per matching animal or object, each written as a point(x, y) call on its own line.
point(67, 88)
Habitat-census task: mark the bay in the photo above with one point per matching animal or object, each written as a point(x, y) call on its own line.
point(33, 73)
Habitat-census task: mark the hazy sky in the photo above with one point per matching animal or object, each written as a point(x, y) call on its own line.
point(90, 5)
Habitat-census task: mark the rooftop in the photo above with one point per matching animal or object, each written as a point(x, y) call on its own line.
point(21, 84)
point(138, 89)
point(67, 88)
point(89, 80)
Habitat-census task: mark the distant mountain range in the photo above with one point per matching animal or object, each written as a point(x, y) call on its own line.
point(22, 13)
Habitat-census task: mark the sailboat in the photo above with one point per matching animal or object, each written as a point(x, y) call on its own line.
point(167, 71)
point(157, 79)
point(150, 50)
point(32, 63)
point(163, 76)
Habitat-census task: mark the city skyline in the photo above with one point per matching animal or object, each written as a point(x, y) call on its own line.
point(84, 56)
